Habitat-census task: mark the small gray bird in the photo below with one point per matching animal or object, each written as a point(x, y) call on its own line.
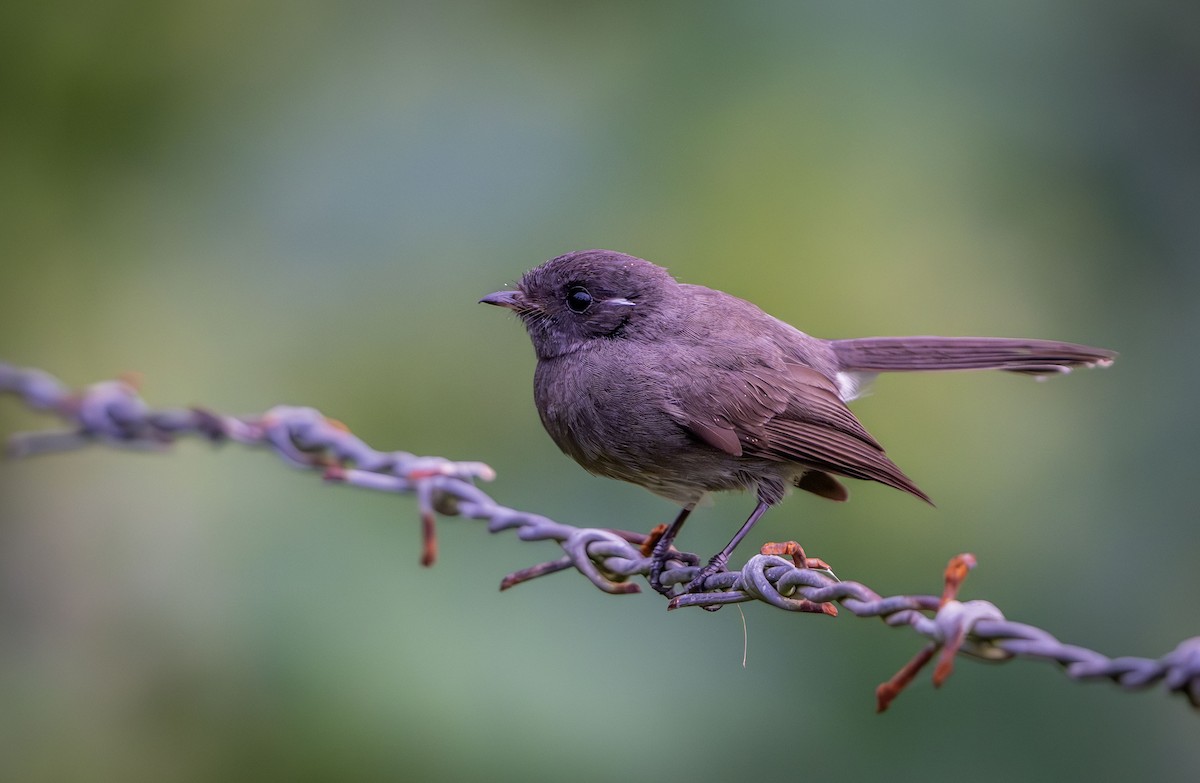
point(685, 390)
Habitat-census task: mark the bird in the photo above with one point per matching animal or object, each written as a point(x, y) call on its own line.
point(687, 390)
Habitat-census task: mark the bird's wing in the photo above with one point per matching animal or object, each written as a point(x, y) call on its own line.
point(786, 412)
point(835, 452)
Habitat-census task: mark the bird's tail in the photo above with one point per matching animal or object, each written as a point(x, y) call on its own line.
point(1032, 357)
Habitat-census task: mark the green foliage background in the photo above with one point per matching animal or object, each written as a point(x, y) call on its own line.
point(300, 202)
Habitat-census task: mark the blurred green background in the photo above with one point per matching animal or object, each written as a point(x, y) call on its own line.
point(269, 202)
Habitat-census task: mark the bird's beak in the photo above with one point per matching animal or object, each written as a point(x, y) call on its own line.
point(510, 299)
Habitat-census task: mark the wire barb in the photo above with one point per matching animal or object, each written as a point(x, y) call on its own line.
point(112, 413)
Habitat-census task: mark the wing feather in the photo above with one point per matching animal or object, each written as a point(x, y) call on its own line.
point(788, 413)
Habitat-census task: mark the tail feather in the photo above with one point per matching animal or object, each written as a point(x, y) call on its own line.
point(1033, 357)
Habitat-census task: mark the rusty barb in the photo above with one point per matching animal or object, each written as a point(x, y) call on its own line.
point(113, 413)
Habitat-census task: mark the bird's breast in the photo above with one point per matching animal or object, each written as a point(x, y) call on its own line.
point(611, 415)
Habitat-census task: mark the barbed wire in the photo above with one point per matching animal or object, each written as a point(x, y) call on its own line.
point(114, 414)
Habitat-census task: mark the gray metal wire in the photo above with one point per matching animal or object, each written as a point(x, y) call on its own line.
point(112, 413)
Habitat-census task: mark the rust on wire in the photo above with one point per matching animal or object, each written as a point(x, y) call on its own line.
point(956, 572)
point(113, 413)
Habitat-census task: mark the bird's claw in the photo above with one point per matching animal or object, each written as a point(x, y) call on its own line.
point(657, 565)
point(715, 566)
point(697, 583)
point(657, 547)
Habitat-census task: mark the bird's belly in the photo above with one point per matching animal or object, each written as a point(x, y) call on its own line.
point(617, 425)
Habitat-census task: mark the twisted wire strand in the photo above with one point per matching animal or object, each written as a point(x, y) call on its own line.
point(113, 413)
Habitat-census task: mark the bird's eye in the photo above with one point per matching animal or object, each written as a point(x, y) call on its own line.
point(578, 299)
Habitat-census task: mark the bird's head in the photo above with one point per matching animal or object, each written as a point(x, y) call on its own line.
point(577, 298)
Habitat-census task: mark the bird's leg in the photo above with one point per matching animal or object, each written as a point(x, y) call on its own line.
point(720, 559)
point(658, 557)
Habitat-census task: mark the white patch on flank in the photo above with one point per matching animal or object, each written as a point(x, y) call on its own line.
point(852, 385)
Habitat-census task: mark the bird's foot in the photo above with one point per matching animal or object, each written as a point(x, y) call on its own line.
point(656, 569)
point(715, 566)
point(786, 549)
point(658, 548)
